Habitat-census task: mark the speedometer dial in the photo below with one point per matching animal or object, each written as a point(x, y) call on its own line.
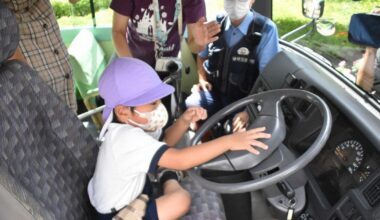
point(350, 153)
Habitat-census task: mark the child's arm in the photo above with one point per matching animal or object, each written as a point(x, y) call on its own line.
point(182, 159)
point(175, 132)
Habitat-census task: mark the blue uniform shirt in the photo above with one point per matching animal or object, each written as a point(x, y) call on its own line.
point(268, 46)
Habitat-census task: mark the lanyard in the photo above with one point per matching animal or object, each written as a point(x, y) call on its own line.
point(160, 36)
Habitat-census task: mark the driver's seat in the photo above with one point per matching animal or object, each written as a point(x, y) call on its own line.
point(205, 204)
point(46, 156)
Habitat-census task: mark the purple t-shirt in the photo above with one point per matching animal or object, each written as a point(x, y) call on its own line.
point(141, 21)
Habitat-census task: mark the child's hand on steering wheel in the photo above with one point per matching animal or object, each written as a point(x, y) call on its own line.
point(247, 140)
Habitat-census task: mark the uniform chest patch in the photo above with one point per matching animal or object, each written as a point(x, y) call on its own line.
point(243, 51)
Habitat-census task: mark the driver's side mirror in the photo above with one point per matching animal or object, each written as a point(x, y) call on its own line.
point(313, 8)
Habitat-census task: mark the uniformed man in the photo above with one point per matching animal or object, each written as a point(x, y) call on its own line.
point(229, 67)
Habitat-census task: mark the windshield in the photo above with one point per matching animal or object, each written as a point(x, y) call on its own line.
point(287, 15)
point(343, 55)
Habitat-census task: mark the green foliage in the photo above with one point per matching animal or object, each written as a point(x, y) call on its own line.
point(103, 17)
point(81, 8)
point(61, 9)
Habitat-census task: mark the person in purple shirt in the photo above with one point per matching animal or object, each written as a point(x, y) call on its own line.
point(148, 29)
point(229, 67)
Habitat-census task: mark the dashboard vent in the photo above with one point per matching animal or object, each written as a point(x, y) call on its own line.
point(372, 193)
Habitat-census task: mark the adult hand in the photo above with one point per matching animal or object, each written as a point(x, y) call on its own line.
point(194, 114)
point(247, 140)
point(240, 121)
point(205, 32)
point(18, 56)
point(203, 85)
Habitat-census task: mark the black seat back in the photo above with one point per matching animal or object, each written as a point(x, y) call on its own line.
point(46, 156)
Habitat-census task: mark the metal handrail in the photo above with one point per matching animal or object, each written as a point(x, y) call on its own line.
point(91, 112)
point(305, 26)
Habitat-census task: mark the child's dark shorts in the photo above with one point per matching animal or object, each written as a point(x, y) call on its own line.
point(151, 209)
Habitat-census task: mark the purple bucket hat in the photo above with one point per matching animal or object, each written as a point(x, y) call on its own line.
point(130, 82)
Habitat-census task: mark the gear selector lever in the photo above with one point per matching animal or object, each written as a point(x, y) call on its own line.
point(286, 189)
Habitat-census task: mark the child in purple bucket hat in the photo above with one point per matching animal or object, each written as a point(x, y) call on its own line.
point(131, 148)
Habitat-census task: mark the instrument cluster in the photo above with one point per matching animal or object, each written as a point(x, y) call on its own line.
point(345, 163)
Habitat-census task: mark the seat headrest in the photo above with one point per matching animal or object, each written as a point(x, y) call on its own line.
point(9, 33)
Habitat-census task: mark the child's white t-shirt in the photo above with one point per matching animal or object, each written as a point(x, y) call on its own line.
point(125, 157)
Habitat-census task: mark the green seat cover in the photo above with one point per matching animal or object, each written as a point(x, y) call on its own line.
point(88, 61)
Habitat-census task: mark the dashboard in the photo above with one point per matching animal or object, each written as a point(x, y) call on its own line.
point(346, 161)
point(351, 155)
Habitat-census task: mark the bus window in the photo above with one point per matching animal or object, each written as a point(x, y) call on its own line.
point(213, 8)
point(343, 55)
point(80, 15)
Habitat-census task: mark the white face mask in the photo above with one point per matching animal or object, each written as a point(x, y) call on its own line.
point(236, 9)
point(157, 118)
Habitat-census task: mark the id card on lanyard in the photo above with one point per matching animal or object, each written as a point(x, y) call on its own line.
point(160, 36)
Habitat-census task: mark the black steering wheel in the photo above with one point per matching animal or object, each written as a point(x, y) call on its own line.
point(270, 116)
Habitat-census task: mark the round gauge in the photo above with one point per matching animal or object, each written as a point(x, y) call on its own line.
point(364, 175)
point(350, 153)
